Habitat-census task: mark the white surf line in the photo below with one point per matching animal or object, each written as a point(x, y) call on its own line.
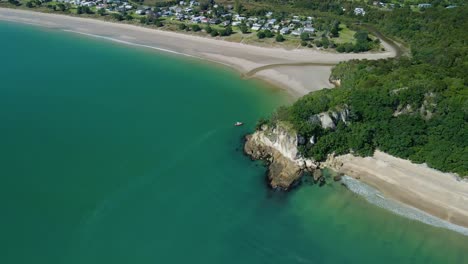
point(374, 197)
point(146, 46)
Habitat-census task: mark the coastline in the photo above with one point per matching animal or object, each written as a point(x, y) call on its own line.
point(298, 71)
point(437, 193)
point(408, 189)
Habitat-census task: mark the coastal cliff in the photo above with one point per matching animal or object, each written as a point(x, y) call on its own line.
point(277, 145)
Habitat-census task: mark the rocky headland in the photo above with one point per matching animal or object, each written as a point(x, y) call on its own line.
point(277, 145)
point(442, 195)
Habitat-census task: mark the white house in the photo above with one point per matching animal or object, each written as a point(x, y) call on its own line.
point(272, 21)
point(425, 5)
point(359, 11)
point(297, 32)
point(90, 4)
point(256, 26)
point(239, 18)
point(284, 31)
point(309, 30)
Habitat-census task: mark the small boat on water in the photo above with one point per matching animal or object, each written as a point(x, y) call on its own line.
point(238, 124)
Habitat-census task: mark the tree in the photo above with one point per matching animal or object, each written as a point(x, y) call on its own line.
point(102, 12)
point(325, 42)
point(182, 26)
point(303, 43)
point(61, 7)
point(208, 29)
point(268, 33)
point(362, 36)
point(243, 28)
point(318, 43)
point(222, 32)
point(158, 23)
point(117, 16)
point(304, 36)
point(279, 38)
point(238, 6)
point(361, 46)
point(228, 30)
point(335, 31)
point(14, 2)
point(29, 4)
point(83, 10)
point(196, 28)
point(214, 33)
point(261, 35)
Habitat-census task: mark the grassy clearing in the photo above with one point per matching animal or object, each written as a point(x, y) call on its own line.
point(346, 35)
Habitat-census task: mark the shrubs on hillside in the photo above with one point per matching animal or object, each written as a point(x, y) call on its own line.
point(414, 108)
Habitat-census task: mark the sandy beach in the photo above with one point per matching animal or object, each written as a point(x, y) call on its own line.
point(297, 79)
point(437, 193)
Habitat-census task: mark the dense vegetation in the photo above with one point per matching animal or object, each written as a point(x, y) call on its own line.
point(411, 107)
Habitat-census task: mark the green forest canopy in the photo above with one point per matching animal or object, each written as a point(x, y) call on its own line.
point(414, 108)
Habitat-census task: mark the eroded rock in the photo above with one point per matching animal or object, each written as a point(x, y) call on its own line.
point(278, 146)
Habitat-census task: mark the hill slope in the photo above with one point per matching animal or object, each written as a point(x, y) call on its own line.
point(414, 108)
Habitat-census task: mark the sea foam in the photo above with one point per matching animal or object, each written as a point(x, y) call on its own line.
point(373, 196)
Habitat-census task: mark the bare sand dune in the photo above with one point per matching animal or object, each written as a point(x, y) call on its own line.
point(298, 80)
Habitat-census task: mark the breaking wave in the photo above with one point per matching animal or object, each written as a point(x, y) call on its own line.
point(373, 196)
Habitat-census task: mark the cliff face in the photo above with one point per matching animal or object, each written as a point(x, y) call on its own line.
point(278, 146)
point(330, 119)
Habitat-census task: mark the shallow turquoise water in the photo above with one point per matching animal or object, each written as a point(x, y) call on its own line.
point(112, 154)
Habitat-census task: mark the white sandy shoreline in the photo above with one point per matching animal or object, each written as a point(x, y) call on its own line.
point(298, 80)
point(439, 194)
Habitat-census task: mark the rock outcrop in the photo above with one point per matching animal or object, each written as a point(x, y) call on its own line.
point(278, 146)
point(330, 119)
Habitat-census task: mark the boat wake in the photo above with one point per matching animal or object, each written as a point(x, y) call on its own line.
point(373, 196)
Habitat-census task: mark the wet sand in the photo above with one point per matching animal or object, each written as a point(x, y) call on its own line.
point(440, 194)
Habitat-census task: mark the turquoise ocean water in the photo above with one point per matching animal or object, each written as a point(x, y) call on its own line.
point(114, 154)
